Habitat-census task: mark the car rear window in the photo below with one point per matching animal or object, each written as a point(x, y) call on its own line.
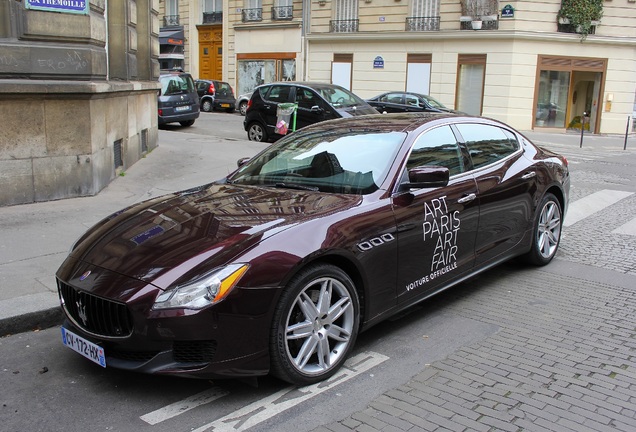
point(176, 84)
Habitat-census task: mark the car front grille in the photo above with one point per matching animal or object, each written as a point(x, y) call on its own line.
point(96, 315)
point(194, 351)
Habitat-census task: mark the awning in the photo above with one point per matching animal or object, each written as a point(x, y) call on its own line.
point(171, 37)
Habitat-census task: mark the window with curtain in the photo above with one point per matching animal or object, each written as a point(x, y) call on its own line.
point(470, 83)
point(425, 8)
point(346, 16)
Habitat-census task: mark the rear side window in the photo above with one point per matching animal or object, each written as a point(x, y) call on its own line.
point(278, 93)
point(486, 143)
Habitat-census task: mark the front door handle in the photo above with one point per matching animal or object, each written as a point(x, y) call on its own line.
point(467, 198)
point(529, 175)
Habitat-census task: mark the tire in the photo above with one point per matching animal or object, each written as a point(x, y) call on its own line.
point(546, 234)
point(319, 313)
point(256, 132)
point(243, 107)
point(187, 123)
point(206, 105)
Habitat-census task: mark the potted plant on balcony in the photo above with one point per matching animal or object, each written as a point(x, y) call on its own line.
point(477, 11)
point(581, 15)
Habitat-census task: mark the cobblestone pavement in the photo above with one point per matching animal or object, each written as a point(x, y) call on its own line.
point(564, 358)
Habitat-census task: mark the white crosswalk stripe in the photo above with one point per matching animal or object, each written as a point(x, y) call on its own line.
point(587, 206)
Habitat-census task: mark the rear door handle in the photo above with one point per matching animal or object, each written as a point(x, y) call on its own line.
point(467, 198)
point(529, 175)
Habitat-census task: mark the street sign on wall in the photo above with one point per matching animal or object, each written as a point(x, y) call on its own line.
point(64, 6)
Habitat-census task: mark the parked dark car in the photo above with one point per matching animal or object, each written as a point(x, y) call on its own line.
point(215, 95)
point(242, 101)
point(397, 102)
point(334, 228)
point(316, 102)
point(178, 100)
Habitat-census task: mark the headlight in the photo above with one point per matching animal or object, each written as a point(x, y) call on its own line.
point(204, 291)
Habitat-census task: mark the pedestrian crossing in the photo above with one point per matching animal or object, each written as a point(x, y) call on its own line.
point(587, 206)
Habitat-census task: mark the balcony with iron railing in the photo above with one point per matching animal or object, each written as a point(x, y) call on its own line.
point(344, 26)
point(255, 14)
point(422, 23)
point(212, 17)
point(280, 13)
point(171, 21)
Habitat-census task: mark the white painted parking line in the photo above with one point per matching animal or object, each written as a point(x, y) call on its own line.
point(587, 206)
point(266, 408)
point(184, 405)
point(629, 228)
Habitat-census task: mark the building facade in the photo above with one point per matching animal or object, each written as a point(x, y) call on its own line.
point(516, 61)
point(78, 95)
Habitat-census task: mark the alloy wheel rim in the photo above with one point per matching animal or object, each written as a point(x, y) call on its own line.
point(549, 229)
point(319, 326)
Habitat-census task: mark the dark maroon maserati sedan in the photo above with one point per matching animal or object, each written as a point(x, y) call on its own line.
point(277, 268)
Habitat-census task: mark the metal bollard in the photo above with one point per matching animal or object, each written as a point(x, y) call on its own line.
point(582, 128)
point(626, 132)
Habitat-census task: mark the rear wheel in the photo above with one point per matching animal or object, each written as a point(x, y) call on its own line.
point(547, 231)
point(187, 123)
point(256, 132)
point(206, 105)
point(315, 325)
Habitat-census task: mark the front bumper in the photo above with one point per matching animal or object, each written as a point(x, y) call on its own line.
point(229, 339)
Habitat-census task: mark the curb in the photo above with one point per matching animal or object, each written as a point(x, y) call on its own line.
point(32, 321)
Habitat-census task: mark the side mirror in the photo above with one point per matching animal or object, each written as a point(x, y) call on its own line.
point(427, 177)
point(242, 161)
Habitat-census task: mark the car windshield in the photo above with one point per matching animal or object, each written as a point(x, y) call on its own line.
point(434, 103)
point(176, 84)
point(339, 98)
point(350, 162)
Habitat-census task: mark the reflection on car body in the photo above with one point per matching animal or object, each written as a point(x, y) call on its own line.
point(279, 266)
point(398, 102)
point(316, 102)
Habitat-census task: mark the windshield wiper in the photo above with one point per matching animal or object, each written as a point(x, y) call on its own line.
point(296, 186)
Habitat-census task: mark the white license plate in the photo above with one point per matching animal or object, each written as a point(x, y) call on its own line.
point(183, 108)
point(84, 347)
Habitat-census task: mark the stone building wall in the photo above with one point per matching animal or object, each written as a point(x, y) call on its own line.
point(78, 96)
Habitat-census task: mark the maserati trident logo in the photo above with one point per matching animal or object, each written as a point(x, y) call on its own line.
point(81, 311)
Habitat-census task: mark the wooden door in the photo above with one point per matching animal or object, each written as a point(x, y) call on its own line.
point(211, 53)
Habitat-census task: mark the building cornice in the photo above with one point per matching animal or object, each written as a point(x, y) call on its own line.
point(504, 35)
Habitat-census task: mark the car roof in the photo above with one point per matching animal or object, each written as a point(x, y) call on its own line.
point(401, 122)
point(309, 84)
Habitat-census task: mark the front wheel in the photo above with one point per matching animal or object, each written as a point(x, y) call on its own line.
point(546, 235)
point(243, 107)
point(315, 325)
point(256, 132)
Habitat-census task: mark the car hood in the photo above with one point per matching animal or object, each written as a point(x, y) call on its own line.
point(207, 226)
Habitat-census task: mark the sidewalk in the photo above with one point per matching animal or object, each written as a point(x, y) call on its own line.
point(35, 238)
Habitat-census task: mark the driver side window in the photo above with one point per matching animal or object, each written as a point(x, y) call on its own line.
point(438, 147)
